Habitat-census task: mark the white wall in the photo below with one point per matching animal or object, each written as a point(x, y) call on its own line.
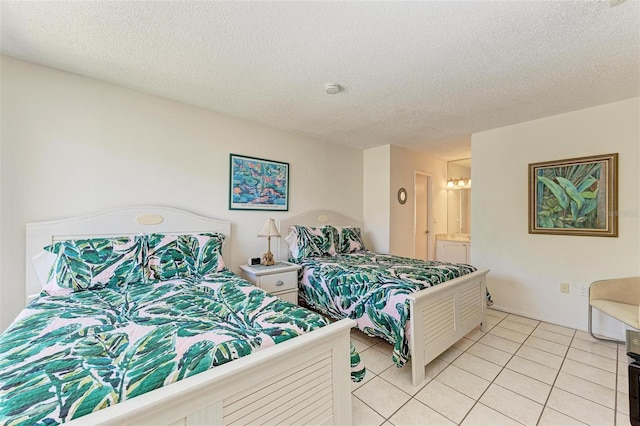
point(404, 165)
point(376, 206)
point(526, 270)
point(73, 145)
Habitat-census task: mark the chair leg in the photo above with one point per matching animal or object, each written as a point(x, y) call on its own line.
point(604, 339)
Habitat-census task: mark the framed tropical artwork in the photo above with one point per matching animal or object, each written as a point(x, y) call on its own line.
point(577, 196)
point(258, 184)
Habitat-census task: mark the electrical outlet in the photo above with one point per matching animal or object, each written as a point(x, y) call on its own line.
point(583, 290)
point(564, 288)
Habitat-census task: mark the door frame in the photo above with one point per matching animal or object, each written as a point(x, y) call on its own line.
point(430, 225)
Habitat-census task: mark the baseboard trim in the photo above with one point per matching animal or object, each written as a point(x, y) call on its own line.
point(613, 334)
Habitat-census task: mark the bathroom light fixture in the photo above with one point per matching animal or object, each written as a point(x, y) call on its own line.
point(459, 183)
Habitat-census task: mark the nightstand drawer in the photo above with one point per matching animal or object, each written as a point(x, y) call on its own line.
point(289, 296)
point(279, 282)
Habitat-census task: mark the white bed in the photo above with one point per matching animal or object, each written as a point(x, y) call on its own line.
point(304, 380)
point(440, 315)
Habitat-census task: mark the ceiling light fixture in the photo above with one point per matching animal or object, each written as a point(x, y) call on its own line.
point(332, 88)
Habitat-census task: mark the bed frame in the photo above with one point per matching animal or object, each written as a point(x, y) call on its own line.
point(439, 315)
point(305, 380)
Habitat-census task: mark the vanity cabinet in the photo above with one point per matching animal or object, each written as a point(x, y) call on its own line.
point(453, 251)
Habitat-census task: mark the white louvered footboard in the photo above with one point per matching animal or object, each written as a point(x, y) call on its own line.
point(305, 380)
point(442, 315)
point(307, 389)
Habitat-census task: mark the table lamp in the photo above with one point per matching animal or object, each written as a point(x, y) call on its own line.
point(269, 230)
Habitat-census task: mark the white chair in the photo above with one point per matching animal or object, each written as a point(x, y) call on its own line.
point(619, 298)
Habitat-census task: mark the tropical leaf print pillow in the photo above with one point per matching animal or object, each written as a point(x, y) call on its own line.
point(181, 256)
point(170, 256)
point(306, 241)
point(210, 258)
point(350, 239)
point(94, 263)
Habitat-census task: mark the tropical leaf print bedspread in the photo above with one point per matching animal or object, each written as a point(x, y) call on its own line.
point(66, 356)
point(372, 289)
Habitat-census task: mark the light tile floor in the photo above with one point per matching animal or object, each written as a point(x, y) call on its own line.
point(520, 371)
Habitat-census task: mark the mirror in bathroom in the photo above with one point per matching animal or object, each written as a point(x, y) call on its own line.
point(459, 196)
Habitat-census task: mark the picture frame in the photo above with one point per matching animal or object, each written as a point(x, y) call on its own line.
point(575, 196)
point(258, 184)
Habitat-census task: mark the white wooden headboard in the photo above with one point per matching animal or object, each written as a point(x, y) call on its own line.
point(312, 218)
point(127, 221)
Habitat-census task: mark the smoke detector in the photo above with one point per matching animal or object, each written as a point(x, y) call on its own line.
point(332, 88)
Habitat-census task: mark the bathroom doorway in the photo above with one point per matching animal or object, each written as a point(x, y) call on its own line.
point(422, 235)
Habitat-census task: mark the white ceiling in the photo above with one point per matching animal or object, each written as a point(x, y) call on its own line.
point(421, 75)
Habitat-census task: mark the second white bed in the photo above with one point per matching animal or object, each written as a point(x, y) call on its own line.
point(439, 315)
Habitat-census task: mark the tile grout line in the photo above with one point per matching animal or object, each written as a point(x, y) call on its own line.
point(553, 385)
point(501, 370)
point(616, 392)
point(544, 405)
point(477, 400)
point(410, 396)
point(615, 389)
point(564, 358)
point(386, 419)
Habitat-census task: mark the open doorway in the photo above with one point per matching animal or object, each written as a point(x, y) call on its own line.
point(422, 235)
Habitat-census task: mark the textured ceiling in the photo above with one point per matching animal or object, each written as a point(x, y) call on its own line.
point(421, 75)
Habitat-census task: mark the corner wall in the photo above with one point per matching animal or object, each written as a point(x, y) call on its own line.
point(526, 270)
point(375, 200)
point(404, 165)
point(73, 145)
point(389, 226)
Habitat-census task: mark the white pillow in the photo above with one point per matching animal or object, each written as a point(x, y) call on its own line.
point(292, 241)
point(42, 263)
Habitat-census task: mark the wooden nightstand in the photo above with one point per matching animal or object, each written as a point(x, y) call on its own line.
point(280, 279)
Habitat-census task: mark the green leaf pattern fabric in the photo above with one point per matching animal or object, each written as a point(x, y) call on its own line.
point(349, 239)
point(69, 355)
point(309, 241)
point(182, 256)
point(85, 264)
point(372, 289)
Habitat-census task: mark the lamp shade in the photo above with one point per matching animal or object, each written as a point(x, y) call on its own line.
point(269, 229)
